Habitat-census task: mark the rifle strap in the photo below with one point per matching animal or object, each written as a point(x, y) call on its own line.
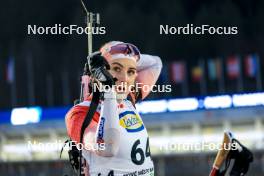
point(87, 121)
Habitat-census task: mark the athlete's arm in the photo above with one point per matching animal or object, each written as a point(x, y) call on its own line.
point(149, 68)
point(108, 130)
point(102, 135)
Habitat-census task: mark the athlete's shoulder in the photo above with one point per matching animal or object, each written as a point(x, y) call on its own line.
point(75, 118)
point(129, 104)
point(84, 106)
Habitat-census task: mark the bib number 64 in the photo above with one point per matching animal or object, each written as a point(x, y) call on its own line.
point(137, 151)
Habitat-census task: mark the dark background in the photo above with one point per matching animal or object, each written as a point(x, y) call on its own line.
point(62, 56)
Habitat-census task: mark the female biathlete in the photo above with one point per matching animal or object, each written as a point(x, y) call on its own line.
point(116, 141)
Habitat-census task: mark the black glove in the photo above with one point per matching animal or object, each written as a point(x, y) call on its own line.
point(98, 67)
point(242, 160)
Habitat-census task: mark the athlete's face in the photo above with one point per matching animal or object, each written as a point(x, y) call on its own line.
point(125, 71)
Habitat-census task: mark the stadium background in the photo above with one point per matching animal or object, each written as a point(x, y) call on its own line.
point(42, 72)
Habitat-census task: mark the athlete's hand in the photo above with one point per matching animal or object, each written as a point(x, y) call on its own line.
point(99, 67)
